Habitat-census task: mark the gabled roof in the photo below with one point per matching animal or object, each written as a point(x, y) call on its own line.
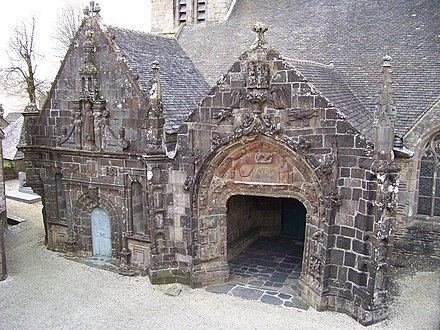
point(183, 85)
point(336, 90)
point(353, 35)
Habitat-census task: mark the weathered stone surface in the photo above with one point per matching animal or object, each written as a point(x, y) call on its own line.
point(180, 203)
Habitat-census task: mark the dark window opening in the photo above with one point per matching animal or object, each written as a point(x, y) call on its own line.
point(137, 208)
point(429, 179)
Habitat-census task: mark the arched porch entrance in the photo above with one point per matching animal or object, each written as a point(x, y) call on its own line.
point(250, 217)
point(252, 167)
point(265, 241)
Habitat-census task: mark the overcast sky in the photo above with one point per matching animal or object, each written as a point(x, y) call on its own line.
point(131, 14)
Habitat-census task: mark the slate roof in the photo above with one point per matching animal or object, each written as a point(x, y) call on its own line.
point(330, 83)
point(12, 138)
point(353, 35)
point(182, 84)
point(13, 116)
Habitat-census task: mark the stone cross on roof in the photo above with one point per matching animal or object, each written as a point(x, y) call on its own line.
point(260, 41)
point(92, 10)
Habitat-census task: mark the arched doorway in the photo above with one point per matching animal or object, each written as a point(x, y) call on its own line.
point(253, 166)
point(265, 241)
point(101, 234)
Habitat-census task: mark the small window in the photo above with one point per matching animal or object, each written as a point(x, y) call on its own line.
point(61, 199)
point(139, 224)
point(429, 179)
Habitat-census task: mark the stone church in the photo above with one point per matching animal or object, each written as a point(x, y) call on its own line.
point(169, 153)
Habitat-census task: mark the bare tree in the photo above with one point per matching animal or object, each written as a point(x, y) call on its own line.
point(20, 76)
point(67, 24)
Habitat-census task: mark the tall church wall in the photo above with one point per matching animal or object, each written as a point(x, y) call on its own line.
point(417, 236)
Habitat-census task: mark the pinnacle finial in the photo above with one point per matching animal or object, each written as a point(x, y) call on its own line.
point(260, 29)
point(155, 87)
point(386, 61)
point(92, 9)
point(155, 66)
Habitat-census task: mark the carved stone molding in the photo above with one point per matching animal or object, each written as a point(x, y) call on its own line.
point(223, 114)
point(327, 166)
point(263, 123)
point(301, 114)
point(92, 196)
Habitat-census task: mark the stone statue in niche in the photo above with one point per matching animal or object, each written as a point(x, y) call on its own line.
point(89, 129)
point(100, 115)
point(77, 122)
point(98, 128)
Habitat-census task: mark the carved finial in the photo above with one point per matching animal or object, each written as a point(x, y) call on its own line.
point(386, 61)
point(155, 87)
point(31, 108)
point(260, 29)
point(92, 10)
point(386, 110)
point(155, 90)
point(385, 114)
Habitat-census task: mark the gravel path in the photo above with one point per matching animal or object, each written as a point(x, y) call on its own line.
point(46, 291)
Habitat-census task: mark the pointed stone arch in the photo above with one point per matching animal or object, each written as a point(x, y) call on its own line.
point(254, 165)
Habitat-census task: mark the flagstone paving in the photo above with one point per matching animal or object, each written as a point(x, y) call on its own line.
point(268, 271)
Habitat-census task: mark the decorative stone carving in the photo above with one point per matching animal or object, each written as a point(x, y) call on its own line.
point(301, 114)
point(278, 98)
point(77, 123)
point(326, 167)
point(156, 106)
point(225, 113)
point(100, 116)
point(92, 196)
point(189, 183)
point(257, 74)
point(111, 171)
point(216, 140)
point(316, 254)
point(257, 97)
point(236, 99)
point(89, 130)
point(263, 123)
point(260, 41)
point(333, 200)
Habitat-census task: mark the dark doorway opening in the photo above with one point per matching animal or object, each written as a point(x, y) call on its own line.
point(293, 216)
point(266, 241)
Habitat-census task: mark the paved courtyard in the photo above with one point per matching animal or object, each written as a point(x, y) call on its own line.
point(45, 290)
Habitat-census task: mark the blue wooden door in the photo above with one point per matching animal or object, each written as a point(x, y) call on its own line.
point(101, 234)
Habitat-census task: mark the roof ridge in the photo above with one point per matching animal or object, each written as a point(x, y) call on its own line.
point(308, 62)
point(105, 27)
